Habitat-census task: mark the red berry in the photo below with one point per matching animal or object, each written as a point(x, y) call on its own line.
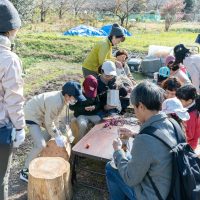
point(87, 146)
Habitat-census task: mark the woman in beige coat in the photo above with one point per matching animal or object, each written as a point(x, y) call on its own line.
point(11, 93)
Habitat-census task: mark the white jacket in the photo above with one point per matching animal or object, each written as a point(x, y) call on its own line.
point(192, 64)
point(11, 87)
point(44, 110)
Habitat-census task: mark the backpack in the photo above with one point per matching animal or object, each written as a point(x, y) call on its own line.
point(185, 182)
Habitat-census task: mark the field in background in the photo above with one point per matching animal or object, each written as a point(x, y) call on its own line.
point(45, 51)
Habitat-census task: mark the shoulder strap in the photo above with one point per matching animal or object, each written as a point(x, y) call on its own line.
point(178, 131)
point(154, 187)
point(150, 130)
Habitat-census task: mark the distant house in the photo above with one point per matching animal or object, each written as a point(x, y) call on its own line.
point(151, 16)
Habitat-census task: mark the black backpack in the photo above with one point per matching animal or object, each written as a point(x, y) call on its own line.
point(185, 182)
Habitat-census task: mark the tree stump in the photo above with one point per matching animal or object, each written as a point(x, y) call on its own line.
point(49, 179)
point(52, 150)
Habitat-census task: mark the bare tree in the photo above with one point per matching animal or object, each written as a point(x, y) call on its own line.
point(44, 6)
point(61, 6)
point(155, 4)
point(172, 11)
point(77, 6)
point(123, 9)
point(25, 8)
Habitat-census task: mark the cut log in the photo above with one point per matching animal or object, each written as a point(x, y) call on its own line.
point(52, 150)
point(49, 179)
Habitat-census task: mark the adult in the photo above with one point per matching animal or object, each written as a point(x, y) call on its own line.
point(43, 110)
point(150, 157)
point(11, 92)
point(102, 51)
point(190, 61)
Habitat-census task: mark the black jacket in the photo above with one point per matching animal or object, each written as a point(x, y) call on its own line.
point(79, 107)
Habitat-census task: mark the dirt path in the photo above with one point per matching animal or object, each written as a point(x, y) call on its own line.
point(18, 188)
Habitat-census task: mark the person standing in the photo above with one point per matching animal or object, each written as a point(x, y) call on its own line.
point(102, 51)
point(12, 120)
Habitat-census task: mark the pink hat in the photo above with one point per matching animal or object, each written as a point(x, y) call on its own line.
point(169, 59)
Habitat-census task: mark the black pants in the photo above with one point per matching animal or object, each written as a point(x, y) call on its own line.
point(5, 161)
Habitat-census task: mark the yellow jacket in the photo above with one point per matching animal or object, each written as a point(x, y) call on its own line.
point(101, 51)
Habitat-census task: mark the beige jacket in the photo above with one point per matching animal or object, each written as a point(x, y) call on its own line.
point(44, 110)
point(11, 87)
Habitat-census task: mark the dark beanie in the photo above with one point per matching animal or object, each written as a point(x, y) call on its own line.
point(9, 17)
point(117, 31)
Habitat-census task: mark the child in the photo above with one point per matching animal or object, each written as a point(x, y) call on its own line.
point(124, 70)
point(86, 111)
point(106, 81)
point(170, 86)
point(163, 74)
point(190, 100)
point(174, 109)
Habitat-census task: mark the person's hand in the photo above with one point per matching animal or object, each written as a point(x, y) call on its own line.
point(61, 140)
point(108, 107)
point(117, 144)
point(90, 108)
point(118, 64)
point(126, 132)
point(18, 137)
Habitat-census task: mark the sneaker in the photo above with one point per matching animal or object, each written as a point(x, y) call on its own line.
point(24, 174)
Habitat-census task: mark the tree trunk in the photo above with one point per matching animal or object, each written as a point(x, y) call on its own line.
point(52, 150)
point(49, 179)
point(167, 25)
point(43, 15)
point(122, 19)
point(60, 14)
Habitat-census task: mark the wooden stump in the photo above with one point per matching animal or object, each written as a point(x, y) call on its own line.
point(52, 150)
point(49, 179)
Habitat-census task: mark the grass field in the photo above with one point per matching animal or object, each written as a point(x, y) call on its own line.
point(50, 53)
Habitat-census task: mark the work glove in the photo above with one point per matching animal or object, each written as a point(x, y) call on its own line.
point(18, 137)
point(60, 140)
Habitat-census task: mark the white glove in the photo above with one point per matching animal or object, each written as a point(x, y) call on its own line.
point(60, 140)
point(18, 137)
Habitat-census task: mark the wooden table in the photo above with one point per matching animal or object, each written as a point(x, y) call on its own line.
point(100, 141)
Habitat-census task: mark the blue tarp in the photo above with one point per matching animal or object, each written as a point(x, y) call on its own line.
point(84, 30)
point(107, 29)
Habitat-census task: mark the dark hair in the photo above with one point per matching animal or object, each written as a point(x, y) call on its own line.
point(171, 84)
point(180, 52)
point(175, 66)
point(189, 92)
point(149, 94)
point(4, 33)
point(122, 52)
point(161, 79)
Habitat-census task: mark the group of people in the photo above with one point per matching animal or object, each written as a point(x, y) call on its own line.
point(174, 96)
point(171, 105)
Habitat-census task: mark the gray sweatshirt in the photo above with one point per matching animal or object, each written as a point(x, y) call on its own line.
point(149, 155)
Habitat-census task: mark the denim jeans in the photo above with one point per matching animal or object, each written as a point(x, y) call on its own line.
point(118, 190)
point(5, 162)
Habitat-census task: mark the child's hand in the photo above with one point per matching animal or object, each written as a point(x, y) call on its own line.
point(90, 108)
point(108, 107)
